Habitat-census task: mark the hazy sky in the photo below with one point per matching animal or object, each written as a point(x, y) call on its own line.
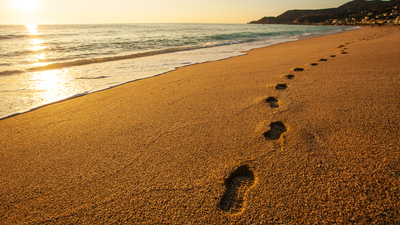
point(149, 11)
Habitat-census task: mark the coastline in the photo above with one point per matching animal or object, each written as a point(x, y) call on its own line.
point(74, 80)
point(168, 149)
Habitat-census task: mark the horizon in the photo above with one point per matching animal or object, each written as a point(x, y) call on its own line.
point(74, 12)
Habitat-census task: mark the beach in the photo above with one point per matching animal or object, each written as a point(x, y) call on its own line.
point(203, 145)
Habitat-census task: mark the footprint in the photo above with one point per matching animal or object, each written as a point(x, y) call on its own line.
point(273, 102)
point(333, 56)
point(323, 60)
point(340, 46)
point(298, 69)
point(344, 53)
point(314, 64)
point(281, 86)
point(291, 77)
point(277, 128)
point(237, 185)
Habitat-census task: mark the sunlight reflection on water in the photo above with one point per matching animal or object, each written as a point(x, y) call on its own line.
point(32, 28)
point(36, 45)
point(47, 86)
point(50, 86)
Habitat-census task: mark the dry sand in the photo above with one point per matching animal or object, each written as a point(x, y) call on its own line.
point(201, 145)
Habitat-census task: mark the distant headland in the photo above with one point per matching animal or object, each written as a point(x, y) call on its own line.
point(356, 12)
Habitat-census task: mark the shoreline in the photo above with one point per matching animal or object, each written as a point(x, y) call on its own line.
point(231, 141)
point(147, 54)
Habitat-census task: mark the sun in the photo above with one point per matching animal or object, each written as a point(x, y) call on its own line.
point(25, 6)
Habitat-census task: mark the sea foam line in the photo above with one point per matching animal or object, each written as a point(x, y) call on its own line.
point(81, 62)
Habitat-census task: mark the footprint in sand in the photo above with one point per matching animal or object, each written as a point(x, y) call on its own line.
point(298, 69)
point(314, 64)
point(277, 129)
point(237, 185)
point(344, 53)
point(291, 77)
point(333, 56)
point(281, 86)
point(323, 60)
point(273, 102)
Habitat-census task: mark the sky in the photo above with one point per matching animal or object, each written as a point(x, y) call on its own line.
point(149, 11)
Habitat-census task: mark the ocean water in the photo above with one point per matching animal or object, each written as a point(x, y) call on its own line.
point(42, 64)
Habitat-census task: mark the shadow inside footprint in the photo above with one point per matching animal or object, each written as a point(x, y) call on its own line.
point(333, 56)
point(290, 77)
point(277, 129)
point(281, 86)
point(298, 69)
point(237, 184)
point(314, 64)
point(323, 60)
point(344, 52)
point(273, 102)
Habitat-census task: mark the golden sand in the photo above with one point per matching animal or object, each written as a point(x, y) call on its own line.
point(203, 145)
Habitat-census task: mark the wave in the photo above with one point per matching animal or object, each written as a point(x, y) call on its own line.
point(50, 103)
point(14, 36)
point(5, 64)
point(81, 62)
point(11, 72)
point(41, 36)
point(245, 35)
point(91, 78)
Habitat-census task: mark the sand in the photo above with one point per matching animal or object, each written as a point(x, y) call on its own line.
point(203, 145)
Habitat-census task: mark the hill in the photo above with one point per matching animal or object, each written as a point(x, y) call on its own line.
point(353, 12)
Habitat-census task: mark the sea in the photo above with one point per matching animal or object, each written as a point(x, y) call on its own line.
point(43, 64)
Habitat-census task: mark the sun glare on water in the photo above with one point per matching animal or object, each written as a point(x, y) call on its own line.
point(50, 86)
point(32, 29)
point(36, 44)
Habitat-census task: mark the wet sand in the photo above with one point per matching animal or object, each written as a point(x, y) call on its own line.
point(235, 141)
